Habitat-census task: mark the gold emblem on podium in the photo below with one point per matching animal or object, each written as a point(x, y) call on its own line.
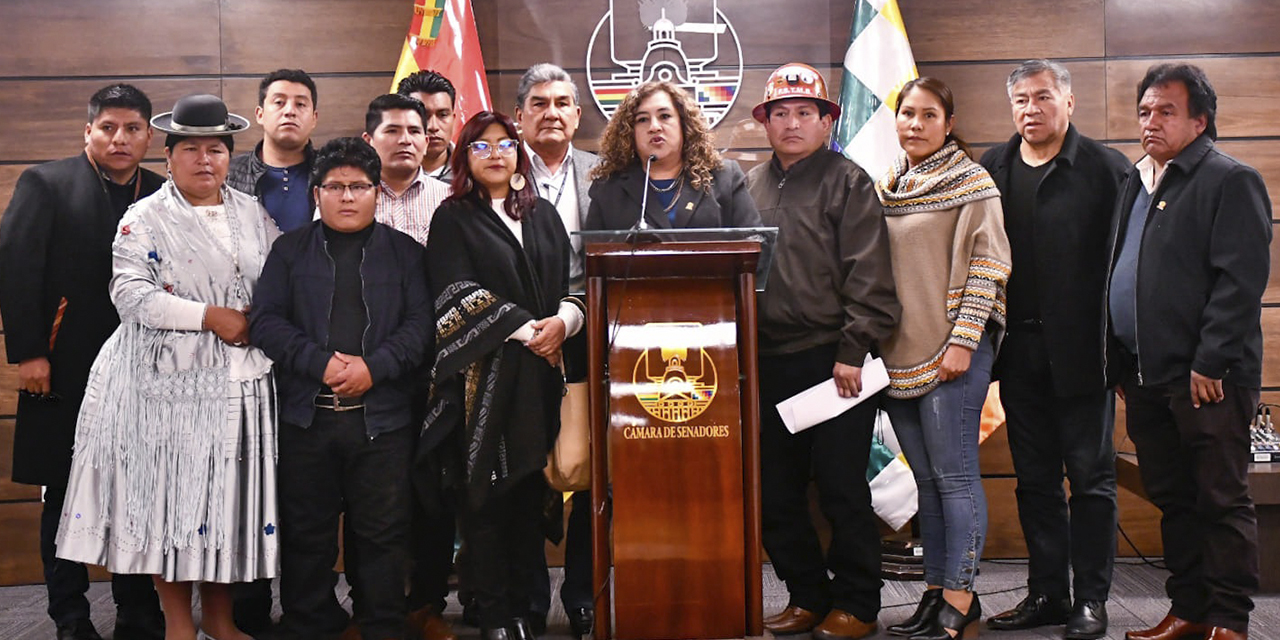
point(673, 382)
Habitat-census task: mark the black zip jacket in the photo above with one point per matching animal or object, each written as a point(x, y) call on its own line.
point(1202, 269)
point(290, 322)
point(1072, 224)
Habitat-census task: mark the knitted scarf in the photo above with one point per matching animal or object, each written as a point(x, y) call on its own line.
point(946, 179)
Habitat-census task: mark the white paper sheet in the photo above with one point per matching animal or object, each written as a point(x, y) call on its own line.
point(822, 401)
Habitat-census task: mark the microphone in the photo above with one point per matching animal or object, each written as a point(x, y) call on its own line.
point(644, 198)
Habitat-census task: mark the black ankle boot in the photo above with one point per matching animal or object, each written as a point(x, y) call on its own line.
point(950, 618)
point(521, 630)
point(926, 611)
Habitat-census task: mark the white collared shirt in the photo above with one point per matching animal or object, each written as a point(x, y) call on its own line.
point(411, 211)
point(561, 189)
point(1147, 171)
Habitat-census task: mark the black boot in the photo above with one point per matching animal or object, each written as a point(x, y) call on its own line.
point(950, 618)
point(522, 630)
point(926, 611)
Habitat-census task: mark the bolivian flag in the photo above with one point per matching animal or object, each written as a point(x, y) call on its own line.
point(442, 37)
point(876, 65)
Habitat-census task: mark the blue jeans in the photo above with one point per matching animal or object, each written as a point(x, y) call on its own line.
point(939, 435)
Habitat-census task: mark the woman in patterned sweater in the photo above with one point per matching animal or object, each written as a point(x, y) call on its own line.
point(950, 261)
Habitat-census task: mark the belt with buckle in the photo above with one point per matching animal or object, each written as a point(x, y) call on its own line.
point(333, 402)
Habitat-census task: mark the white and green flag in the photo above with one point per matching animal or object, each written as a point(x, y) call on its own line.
point(876, 65)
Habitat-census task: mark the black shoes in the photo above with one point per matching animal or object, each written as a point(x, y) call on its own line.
point(581, 621)
point(1036, 610)
point(927, 610)
point(1088, 621)
point(950, 618)
point(79, 630)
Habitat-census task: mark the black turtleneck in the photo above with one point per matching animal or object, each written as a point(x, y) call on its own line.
point(121, 195)
point(348, 318)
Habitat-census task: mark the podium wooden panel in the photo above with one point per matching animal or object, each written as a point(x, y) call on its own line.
point(674, 404)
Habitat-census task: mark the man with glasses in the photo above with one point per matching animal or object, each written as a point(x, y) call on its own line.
point(342, 308)
point(395, 126)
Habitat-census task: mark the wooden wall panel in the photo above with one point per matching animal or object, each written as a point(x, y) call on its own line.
point(994, 458)
point(109, 37)
point(1248, 91)
point(45, 118)
point(325, 36)
point(8, 180)
point(20, 539)
point(1006, 30)
point(1139, 519)
point(9, 490)
point(983, 113)
point(8, 382)
point(1190, 26)
point(342, 103)
point(1271, 344)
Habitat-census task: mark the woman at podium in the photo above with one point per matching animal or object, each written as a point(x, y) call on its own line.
point(656, 157)
point(950, 261)
point(498, 259)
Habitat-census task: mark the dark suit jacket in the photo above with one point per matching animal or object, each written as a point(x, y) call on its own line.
point(615, 202)
point(1071, 221)
point(55, 243)
point(1202, 269)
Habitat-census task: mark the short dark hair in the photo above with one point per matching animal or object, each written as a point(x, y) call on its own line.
point(391, 102)
point(1202, 100)
point(428, 82)
point(346, 152)
point(288, 75)
point(173, 138)
point(120, 96)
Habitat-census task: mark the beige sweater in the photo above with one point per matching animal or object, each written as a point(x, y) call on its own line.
point(950, 267)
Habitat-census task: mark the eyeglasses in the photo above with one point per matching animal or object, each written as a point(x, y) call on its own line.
point(483, 150)
point(336, 188)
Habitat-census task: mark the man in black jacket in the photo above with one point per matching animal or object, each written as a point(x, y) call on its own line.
point(342, 308)
point(1058, 189)
point(1189, 263)
point(55, 266)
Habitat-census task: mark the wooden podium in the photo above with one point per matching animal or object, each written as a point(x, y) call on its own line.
point(675, 413)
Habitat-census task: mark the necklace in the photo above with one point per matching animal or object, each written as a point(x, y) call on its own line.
point(675, 198)
point(678, 180)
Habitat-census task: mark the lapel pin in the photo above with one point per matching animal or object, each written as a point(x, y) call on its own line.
point(1160, 206)
point(688, 206)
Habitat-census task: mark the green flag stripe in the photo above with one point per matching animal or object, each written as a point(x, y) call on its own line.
point(862, 16)
point(857, 104)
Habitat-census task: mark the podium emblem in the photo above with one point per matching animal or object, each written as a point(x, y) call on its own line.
point(675, 382)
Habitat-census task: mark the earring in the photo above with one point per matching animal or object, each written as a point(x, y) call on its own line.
point(517, 182)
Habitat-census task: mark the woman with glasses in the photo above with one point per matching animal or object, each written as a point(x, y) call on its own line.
point(174, 473)
point(498, 260)
point(656, 153)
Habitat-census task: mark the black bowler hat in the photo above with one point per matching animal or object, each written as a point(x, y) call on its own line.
point(200, 114)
